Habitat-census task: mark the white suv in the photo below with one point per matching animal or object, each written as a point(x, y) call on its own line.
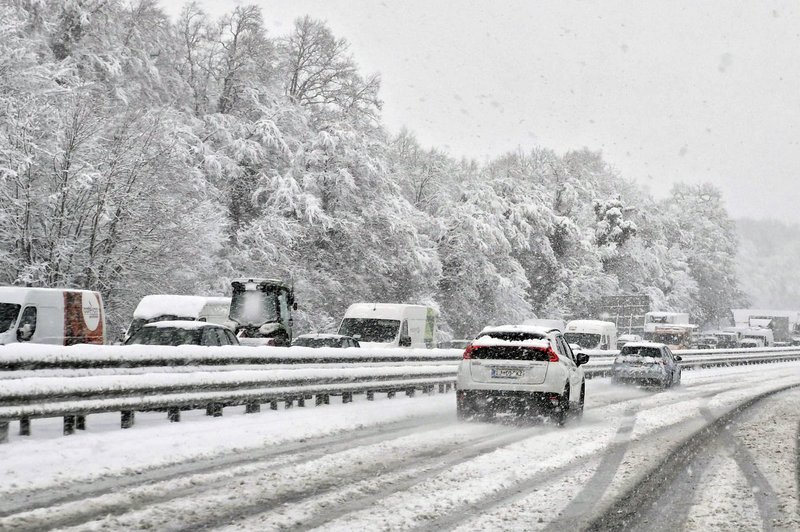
point(531, 370)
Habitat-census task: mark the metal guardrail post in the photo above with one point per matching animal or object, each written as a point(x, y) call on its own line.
point(69, 425)
point(174, 415)
point(252, 408)
point(127, 418)
point(25, 426)
point(370, 395)
point(80, 422)
point(3, 431)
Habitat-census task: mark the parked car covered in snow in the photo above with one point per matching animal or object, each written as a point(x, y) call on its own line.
point(171, 307)
point(530, 370)
point(646, 363)
point(324, 340)
point(183, 333)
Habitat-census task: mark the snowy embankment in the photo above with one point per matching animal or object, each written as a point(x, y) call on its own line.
point(32, 388)
point(32, 356)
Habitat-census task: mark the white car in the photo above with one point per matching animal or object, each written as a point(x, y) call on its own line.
point(530, 370)
point(647, 363)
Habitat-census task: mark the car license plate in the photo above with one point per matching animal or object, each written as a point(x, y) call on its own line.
point(507, 373)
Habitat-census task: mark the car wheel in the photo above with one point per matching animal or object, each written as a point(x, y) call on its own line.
point(581, 401)
point(667, 382)
point(464, 411)
point(561, 410)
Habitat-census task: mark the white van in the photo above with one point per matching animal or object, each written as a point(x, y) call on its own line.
point(51, 316)
point(764, 336)
point(391, 325)
point(592, 334)
point(166, 307)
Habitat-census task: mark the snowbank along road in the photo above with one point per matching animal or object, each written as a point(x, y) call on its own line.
point(719, 451)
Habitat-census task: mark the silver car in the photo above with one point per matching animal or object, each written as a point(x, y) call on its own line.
point(647, 363)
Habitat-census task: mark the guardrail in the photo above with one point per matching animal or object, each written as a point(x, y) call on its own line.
point(302, 374)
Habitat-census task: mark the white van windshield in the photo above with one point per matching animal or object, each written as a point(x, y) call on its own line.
point(8, 315)
point(585, 340)
point(370, 329)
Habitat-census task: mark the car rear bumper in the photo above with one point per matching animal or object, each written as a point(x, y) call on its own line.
point(499, 400)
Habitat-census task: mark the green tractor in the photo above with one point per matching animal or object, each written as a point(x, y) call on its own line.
point(262, 310)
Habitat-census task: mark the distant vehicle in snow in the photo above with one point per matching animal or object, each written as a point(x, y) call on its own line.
point(378, 325)
point(530, 370)
point(262, 310)
point(704, 341)
point(725, 340)
point(454, 344)
point(546, 322)
point(51, 316)
point(646, 363)
point(324, 340)
point(674, 336)
point(765, 336)
point(626, 338)
point(657, 319)
point(751, 343)
point(183, 332)
point(171, 307)
point(592, 334)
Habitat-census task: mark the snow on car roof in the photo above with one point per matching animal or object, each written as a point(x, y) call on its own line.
point(182, 324)
point(539, 343)
point(18, 294)
point(156, 305)
point(531, 329)
point(323, 336)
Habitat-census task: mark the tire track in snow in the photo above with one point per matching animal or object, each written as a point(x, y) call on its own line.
point(300, 452)
point(797, 466)
point(612, 461)
point(762, 490)
point(586, 499)
point(649, 503)
point(434, 461)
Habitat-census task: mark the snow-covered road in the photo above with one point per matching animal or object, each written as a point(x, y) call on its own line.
point(406, 463)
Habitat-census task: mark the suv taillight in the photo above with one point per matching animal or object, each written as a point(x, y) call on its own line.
point(552, 354)
point(469, 350)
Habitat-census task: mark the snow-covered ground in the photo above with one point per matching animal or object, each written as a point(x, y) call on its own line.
point(388, 464)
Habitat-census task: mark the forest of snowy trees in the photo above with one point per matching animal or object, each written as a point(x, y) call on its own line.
point(141, 154)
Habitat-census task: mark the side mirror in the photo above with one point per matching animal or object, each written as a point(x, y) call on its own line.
point(25, 333)
point(405, 341)
point(581, 359)
point(678, 358)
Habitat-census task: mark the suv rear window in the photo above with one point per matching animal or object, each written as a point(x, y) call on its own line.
point(510, 352)
point(513, 336)
point(653, 352)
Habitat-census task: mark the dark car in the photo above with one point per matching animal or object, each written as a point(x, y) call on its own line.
point(325, 340)
point(183, 333)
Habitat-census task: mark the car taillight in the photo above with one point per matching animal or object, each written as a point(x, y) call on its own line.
point(552, 354)
point(468, 351)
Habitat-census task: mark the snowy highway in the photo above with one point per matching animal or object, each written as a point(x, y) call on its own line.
point(407, 463)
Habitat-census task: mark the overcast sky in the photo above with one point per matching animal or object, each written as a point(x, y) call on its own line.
point(668, 91)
